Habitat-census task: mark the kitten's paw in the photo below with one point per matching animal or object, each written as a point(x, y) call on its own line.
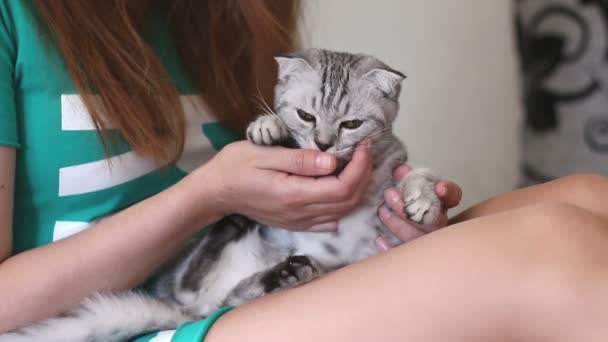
point(267, 130)
point(294, 271)
point(422, 205)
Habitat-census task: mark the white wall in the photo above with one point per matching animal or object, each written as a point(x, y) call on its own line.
point(460, 110)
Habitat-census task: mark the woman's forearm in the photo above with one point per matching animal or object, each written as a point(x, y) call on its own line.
point(117, 253)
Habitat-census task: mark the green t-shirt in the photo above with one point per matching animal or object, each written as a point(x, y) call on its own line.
point(64, 183)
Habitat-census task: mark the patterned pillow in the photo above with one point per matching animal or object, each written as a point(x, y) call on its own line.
point(563, 48)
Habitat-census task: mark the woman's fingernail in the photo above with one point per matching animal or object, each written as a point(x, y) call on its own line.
point(382, 245)
point(323, 162)
point(442, 190)
point(394, 196)
point(384, 213)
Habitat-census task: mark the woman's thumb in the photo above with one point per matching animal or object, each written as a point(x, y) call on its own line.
point(298, 161)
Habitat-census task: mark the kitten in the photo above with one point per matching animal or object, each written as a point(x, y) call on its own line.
point(324, 100)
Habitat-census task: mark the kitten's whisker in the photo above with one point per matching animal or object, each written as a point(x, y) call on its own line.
point(283, 122)
point(267, 110)
point(262, 102)
point(374, 137)
point(346, 150)
point(264, 106)
point(377, 133)
point(280, 119)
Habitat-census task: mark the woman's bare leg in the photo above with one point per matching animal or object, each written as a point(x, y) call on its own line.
point(533, 274)
point(589, 192)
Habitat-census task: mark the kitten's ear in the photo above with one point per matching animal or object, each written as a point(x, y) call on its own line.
point(387, 80)
point(290, 65)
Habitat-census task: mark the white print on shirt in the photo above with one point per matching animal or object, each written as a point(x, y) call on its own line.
point(163, 336)
point(63, 229)
point(98, 175)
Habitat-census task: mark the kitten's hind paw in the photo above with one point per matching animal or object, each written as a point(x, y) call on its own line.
point(267, 130)
point(294, 271)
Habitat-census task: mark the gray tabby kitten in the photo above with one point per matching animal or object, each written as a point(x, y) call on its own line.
point(324, 100)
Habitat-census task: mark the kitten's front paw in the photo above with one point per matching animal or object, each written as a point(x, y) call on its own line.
point(294, 271)
point(422, 205)
point(267, 130)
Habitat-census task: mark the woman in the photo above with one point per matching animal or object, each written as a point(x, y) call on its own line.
point(142, 193)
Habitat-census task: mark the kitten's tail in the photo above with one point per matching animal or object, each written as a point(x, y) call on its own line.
point(107, 318)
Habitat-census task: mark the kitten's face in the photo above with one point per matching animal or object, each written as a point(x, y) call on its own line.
point(333, 101)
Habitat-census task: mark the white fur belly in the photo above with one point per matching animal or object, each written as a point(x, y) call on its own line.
point(355, 240)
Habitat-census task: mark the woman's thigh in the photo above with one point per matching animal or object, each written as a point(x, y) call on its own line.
point(589, 192)
point(522, 275)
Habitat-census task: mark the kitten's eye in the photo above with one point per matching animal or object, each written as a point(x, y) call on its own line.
point(352, 124)
point(305, 116)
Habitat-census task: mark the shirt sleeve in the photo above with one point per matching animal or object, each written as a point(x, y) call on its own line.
point(8, 113)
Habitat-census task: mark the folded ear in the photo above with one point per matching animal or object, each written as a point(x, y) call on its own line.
point(387, 80)
point(291, 65)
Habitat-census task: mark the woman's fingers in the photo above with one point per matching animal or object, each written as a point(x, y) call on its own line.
point(403, 230)
point(400, 171)
point(449, 193)
point(348, 185)
point(300, 162)
point(319, 202)
point(393, 200)
point(360, 164)
point(338, 208)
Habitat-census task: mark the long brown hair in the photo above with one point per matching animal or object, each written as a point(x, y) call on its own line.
point(226, 46)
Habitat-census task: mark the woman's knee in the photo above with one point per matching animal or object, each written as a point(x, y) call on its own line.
point(548, 255)
point(586, 190)
point(582, 181)
point(556, 218)
point(533, 261)
point(531, 239)
point(567, 253)
point(537, 237)
point(562, 230)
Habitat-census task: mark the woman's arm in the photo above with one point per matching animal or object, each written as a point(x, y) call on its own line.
point(121, 251)
point(116, 254)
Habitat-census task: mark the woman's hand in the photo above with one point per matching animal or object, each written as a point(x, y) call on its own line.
point(392, 215)
point(287, 188)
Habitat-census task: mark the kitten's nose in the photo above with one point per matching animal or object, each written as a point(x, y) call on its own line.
point(323, 147)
